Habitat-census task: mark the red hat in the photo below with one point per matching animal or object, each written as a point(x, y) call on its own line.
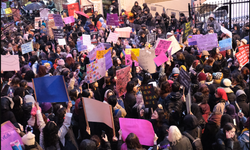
point(222, 94)
point(202, 77)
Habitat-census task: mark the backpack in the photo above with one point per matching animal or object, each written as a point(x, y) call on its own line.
point(196, 143)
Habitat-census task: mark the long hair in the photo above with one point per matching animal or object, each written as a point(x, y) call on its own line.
point(132, 141)
point(165, 87)
point(50, 134)
point(229, 126)
point(41, 71)
point(174, 135)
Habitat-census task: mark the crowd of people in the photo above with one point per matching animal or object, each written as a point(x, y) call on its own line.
point(219, 86)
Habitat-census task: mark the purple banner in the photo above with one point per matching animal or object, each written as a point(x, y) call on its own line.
point(112, 20)
point(108, 60)
point(207, 42)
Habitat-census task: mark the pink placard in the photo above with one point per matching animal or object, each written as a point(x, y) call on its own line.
point(143, 129)
point(123, 78)
point(123, 32)
point(69, 20)
point(10, 63)
point(113, 37)
point(162, 46)
point(8, 135)
point(160, 59)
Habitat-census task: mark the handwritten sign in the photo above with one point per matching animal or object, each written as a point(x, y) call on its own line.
point(86, 39)
point(3, 5)
point(69, 20)
point(174, 44)
point(10, 63)
point(27, 47)
point(100, 54)
point(184, 78)
point(44, 13)
point(162, 46)
point(207, 42)
point(192, 39)
point(8, 135)
point(151, 38)
point(128, 60)
point(122, 80)
point(112, 19)
point(136, 51)
point(80, 46)
point(96, 70)
point(92, 54)
point(123, 32)
point(113, 37)
point(143, 129)
point(50, 23)
point(224, 30)
point(146, 60)
point(245, 48)
point(37, 19)
point(58, 33)
point(61, 42)
point(160, 59)
point(58, 20)
point(225, 44)
point(94, 37)
point(149, 96)
point(187, 29)
point(242, 57)
point(133, 56)
point(108, 60)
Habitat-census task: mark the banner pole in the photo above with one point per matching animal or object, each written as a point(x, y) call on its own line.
point(66, 88)
point(86, 118)
point(34, 89)
point(112, 119)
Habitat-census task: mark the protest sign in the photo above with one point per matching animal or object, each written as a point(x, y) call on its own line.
point(58, 20)
point(224, 30)
point(86, 39)
point(96, 111)
point(128, 51)
point(174, 45)
point(225, 44)
point(184, 78)
point(44, 12)
point(50, 89)
point(107, 45)
point(123, 77)
point(3, 5)
point(162, 46)
point(187, 29)
point(8, 135)
point(61, 42)
point(58, 33)
point(133, 56)
point(146, 60)
point(242, 57)
point(100, 54)
point(10, 63)
point(151, 38)
point(128, 60)
point(192, 39)
point(113, 37)
point(112, 19)
point(245, 48)
point(50, 23)
point(123, 32)
point(188, 102)
point(160, 59)
point(96, 70)
point(136, 51)
point(108, 60)
point(80, 46)
point(143, 129)
point(37, 19)
point(27, 47)
point(92, 54)
point(94, 37)
point(149, 96)
point(69, 20)
point(207, 42)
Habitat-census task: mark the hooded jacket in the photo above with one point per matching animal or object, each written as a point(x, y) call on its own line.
point(231, 111)
point(191, 125)
point(145, 7)
point(195, 109)
point(214, 24)
point(6, 113)
point(244, 140)
point(136, 9)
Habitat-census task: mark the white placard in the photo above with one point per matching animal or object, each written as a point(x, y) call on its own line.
point(61, 42)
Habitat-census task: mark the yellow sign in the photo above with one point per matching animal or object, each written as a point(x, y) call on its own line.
point(100, 54)
point(136, 51)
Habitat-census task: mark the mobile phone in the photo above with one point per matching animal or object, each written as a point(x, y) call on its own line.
point(103, 134)
point(240, 111)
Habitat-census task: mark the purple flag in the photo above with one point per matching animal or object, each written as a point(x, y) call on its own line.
point(112, 20)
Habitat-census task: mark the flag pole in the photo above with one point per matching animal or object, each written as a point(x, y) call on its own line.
point(34, 89)
point(66, 89)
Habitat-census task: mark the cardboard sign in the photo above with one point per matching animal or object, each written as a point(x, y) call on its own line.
point(187, 29)
point(108, 60)
point(10, 63)
point(37, 19)
point(207, 42)
point(45, 89)
point(133, 56)
point(44, 12)
point(174, 45)
point(27, 47)
point(143, 129)
point(3, 5)
point(123, 32)
point(58, 33)
point(100, 54)
point(58, 20)
point(160, 59)
point(113, 37)
point(244, 48)
point(146, 60)
point(149, 96)
point(151, 38)
point(61, 42)
point(92, 54)
point(107, 45)
point(192, 39)
point(224, 30)
point(96, 70)
point(122, 80)
point(69, 20)
point(50, 23)
point(184, 78)
point(86, 39)
point(128, 60)
point(225, 44)
point(242, 57)
point(112, 19)
point(97, 111)
point(162, 46)
point(80, 46)
point(136, 51)
point(94, 37)
point(8, 135)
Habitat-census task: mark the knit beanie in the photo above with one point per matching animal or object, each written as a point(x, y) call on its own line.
point(175, 70)
point(217, 77)
point(183, 67)
point(29, 139)
point(209, 77)
point(46, 106)
point(202, 77)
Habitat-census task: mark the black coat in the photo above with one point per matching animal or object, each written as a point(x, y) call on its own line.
point(145, 8)
point(136, 9)
point(222, 143)
point(129, 102)
point(191, 125)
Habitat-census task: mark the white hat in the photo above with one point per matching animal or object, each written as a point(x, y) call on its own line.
point(29, 139)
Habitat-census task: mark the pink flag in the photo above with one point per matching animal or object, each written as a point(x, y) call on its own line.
point(160, 59)
point(143, 129)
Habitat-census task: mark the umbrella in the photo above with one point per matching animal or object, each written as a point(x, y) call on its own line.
point(82, 13)
point(34, 6)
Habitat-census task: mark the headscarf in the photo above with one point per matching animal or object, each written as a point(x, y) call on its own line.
point(222, 94)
